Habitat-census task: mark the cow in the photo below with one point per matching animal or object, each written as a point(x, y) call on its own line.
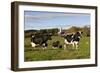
point(40, 40)
point(72, 39)
point(56, 45)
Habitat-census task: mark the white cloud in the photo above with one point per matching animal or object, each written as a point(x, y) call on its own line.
point(51, 15)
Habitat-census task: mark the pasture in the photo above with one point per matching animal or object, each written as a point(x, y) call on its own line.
point(38, 54)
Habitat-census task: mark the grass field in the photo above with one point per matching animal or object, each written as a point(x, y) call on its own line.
point(38, 54)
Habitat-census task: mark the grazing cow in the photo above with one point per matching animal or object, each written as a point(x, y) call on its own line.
point(56, 44)
point(40, 40)
point(72, 39)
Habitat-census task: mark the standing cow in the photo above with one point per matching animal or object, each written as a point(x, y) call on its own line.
point(40, 40)
point(72, 39)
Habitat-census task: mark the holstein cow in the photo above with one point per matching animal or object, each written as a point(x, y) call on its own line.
point(72, 39)
point(56, 45)
point(40, 40)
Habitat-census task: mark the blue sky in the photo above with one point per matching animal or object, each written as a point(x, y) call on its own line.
point(42, 20)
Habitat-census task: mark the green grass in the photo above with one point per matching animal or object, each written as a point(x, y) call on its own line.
point(38, 54)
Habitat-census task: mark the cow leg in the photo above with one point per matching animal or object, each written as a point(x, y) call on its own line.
point(33, 45)
point(73, 45)
point(64, 46)
point(44, 46)
point(76, 45)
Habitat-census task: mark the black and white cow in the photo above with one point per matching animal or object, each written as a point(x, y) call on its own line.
point(72, 39)
point(40, 40)
point(56, 45)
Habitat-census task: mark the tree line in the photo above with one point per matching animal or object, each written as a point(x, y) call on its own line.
point(54, 31)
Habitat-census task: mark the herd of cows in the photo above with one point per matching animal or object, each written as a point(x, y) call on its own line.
point(42, 40)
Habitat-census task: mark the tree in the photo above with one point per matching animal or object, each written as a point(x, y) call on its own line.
point(86, 30)
point(73, 29)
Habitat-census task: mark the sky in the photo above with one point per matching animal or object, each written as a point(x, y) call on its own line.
point(47, 20)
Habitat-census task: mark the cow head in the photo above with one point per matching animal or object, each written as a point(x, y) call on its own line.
point(79, 34)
